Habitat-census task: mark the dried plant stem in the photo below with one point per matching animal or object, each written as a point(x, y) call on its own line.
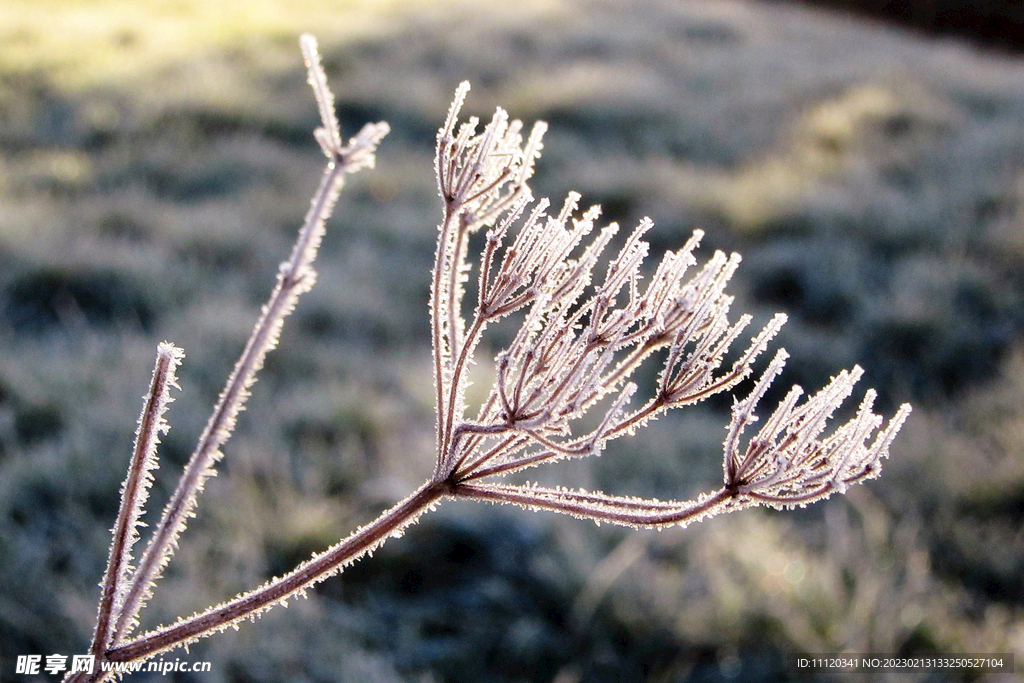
point(580, 343)
point(314, 570)
point(125, 592)
point(135, 490)
point(441, 352)
point(295, 277)
point(631, 512)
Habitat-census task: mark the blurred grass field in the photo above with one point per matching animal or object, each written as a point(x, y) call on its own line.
point(156, 160)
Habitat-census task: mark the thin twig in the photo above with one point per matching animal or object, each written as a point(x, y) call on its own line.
point(135, 491)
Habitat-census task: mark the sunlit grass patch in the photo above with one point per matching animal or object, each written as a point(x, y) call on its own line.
point(97, 43)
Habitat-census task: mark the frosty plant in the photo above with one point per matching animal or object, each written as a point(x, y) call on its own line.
point(585, 329)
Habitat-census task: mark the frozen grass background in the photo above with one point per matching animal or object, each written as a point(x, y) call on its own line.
point(157, 159)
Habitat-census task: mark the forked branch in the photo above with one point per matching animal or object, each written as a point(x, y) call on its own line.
point(125, 593)
point(582, 338)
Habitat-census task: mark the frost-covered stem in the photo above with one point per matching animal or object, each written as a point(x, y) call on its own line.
point(461, 243)
point(510, 445)
point(135, 491)
point(472, 337)
point(295, 276)
point(314, 570)
point(633, 513)
point(438, 298)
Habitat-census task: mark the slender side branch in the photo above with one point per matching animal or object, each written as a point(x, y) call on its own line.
point(624, 511)
point(135, 491)
point(295, 277)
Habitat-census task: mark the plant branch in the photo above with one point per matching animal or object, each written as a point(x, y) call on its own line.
point(135, 491)
point(578, 344)
point(316, 569)
point(295, 277)
point(633, 512)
